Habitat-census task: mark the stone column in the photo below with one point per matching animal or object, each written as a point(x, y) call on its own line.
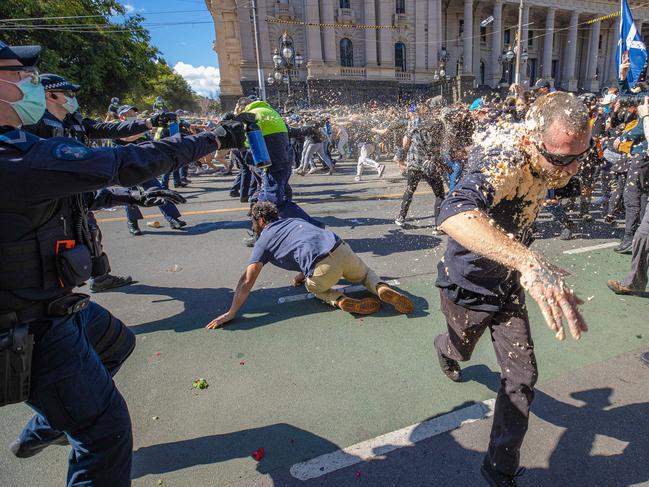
point(592, 83)
point(420, 36)
point(611, 70)
point(386, 45)
point(434, 32)
point(496, 43)
point(370, 34)
point(571, 53)
point(525, 30)
point(245, 30)
point(476, 47)
point(467, 44)
point(313, 34)
point(546, 69)
point(329, 49)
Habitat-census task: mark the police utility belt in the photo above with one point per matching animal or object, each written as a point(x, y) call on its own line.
point(72, 267)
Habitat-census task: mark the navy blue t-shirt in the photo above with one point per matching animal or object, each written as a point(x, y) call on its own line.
point(292, 244)
point(499, 182)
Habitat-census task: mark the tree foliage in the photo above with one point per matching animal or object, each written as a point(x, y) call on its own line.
point(107, 58)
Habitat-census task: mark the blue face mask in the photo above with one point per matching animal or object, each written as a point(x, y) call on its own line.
point(71, 104)
point(31, 107)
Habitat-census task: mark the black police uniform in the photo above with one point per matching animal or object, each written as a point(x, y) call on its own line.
point(43, 257)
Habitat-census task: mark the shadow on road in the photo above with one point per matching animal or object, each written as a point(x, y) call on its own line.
point(283, 445)
point(392, 242)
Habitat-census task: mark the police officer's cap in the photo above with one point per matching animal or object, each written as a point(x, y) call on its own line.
point(26, 55)
point(54, 82)
point(125, 108)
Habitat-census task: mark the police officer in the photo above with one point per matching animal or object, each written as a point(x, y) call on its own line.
point(44, 326)
point(275, 187)
point(169, 210)
point(62, 119)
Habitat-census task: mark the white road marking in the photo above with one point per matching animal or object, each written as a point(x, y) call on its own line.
point(343, 289)
point(581, 250)
point(383, 444)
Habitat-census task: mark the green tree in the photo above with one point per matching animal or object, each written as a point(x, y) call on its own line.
point(107, 58)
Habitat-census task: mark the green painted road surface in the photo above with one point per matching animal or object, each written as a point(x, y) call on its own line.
point(300, 379)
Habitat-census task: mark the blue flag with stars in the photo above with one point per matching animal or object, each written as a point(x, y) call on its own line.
point(630, 43)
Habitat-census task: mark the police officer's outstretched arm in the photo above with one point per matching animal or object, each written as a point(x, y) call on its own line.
point(56, 168)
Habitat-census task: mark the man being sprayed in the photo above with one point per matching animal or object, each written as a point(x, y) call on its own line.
point(488, 264)
point(321, 257)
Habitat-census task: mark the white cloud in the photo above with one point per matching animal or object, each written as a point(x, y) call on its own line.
point(204, 80)
point(129, 8)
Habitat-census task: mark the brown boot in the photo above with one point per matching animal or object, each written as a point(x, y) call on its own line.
point(400, 302)
point(618, 288)
point(365, 306)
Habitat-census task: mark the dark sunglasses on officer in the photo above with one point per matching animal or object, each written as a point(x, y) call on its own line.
point(562, 160)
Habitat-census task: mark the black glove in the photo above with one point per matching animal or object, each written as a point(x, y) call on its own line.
point(230, 133)
point(156, 197)
point(161, 119)
point(246, 117)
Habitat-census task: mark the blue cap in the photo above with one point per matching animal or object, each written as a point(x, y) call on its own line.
point(413, 108)
point(54, 82)
point(26, 55)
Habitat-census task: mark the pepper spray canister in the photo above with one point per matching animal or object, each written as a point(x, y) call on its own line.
point(260, 156)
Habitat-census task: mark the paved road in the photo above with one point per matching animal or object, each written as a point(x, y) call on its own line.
point(300, 379)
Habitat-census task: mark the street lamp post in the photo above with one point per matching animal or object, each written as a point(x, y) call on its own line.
point(442, 58)
point(285, 58)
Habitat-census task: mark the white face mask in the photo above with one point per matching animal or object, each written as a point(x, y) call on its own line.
point(71, 104)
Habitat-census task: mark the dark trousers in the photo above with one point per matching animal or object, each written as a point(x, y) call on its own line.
point(73, 392)
point(637, 277)
point(275, 188)
point(176, 176)
point(634, 201)
point(616, 202)
point(412, 181)
point(512, 342)
point(168, 210)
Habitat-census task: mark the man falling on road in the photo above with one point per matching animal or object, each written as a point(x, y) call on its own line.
point(487, 263)
point(321, 257)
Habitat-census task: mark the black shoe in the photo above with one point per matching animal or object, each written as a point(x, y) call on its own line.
point(177, 223)
point(645, 358)
point(234, 194)
point(186, 181)
point(499, 479)
point(181, 184)
point(31, 448)
point(134, 228)
point(623, 248)
point(450, 367)
point(244, 199)
point(110, 282)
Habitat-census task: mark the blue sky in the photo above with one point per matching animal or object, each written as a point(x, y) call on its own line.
point(184, 32)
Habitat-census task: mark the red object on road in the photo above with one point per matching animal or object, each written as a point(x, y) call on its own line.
point(259, 454)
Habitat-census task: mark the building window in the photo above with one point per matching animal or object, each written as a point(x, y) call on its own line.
point(344, 4)
point(400, 56)
point(346, 53)
point(508, 36)
point(400, 7)
point(483, 35)
point(599, 45)
point(530, 38)
point(482, 72)
point(555, 69)
point(461, 28)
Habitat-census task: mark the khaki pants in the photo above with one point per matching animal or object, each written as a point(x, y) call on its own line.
point(343, 262)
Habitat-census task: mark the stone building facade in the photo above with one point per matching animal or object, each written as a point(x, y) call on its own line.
point(347, 61)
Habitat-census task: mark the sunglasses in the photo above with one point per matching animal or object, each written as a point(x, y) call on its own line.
point(25, 72)
point(68, 93)
point(565, 160)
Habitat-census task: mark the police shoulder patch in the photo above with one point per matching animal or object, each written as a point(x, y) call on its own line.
point(71, 151)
